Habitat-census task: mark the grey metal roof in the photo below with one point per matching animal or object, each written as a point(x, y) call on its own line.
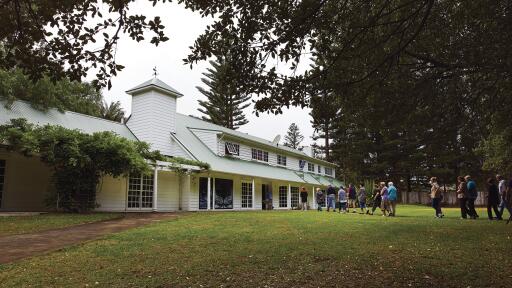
point(155, 83)
point(233, 165)
point(204, 125)
point(70, 120)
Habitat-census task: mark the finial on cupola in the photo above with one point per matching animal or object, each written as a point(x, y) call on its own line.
point(155, 73)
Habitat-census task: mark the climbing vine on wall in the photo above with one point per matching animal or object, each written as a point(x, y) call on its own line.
point(78, 160)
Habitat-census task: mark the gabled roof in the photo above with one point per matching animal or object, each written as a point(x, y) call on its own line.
point(157, 84)
point(200, 124)
point(67, 119)
point(185, 134)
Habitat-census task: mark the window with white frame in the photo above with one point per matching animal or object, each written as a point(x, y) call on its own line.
point(2, 180)
point(328, 171)
point(259, 155)
point(319, 169)
point(294, 191)
point(283, 196)
point(232, 149)
point(281, 160)
point(311, 167)
point(140, 191)
point(247, 195)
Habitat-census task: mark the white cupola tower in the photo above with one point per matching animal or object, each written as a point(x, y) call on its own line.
point(153, 117)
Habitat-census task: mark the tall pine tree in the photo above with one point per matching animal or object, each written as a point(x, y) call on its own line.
point(293, 137)
point(225, 104)
point(323, 114)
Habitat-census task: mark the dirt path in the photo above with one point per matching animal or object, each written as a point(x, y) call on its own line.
point(15, 247)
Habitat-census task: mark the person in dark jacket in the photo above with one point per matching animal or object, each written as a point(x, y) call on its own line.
point(331, 198)
point(304, 199)
point(493, 199)
point(461, 196)
point(352, 197)
point(377, 199)
point(471, 195)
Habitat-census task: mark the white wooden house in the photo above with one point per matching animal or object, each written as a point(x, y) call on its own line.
point(245, 170)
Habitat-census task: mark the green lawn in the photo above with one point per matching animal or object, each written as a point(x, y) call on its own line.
point(10, 225)
point(284, 249)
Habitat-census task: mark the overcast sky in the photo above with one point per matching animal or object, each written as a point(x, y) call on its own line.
point(182, 27)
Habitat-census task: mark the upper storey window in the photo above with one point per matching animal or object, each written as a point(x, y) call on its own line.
point(259, 155)
point(281, 160)
point(328, 171)
point(311, 167)
point(232, 149)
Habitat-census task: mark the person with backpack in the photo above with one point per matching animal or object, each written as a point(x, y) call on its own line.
point(342, 199)
point(361, 197)
point(461, 196)
point(472, 194)
point(392, 198)
point(319, 199)
point(493, 198)
point(502, 190)
point(436, 196)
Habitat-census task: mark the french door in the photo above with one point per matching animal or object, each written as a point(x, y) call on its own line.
point(140, 192)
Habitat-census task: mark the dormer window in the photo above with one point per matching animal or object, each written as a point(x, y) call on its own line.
point(281, 160)
point(259, 155)
point(328, 171)
point(232, 149)
point(311, 167)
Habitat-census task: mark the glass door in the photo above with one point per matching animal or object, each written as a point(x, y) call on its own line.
point(140, 192)
point(223, 193)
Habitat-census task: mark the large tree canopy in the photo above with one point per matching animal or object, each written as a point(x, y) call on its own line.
point(428, 78)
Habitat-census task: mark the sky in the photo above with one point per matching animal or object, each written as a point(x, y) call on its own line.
point(182, 27)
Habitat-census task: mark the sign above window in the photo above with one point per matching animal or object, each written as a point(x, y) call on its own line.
point(302, 163)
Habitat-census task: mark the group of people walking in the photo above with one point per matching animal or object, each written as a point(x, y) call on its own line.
point(499, 194)
point(383, 197)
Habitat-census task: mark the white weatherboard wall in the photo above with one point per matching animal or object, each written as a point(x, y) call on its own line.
point(111, 194)
point(209, 138)
point(153, 119)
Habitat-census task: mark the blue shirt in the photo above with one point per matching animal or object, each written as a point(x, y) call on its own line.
point(392, 193)
point(342, 196)
point(472, 192)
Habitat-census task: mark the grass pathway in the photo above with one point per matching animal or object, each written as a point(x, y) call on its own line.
point(15, 247)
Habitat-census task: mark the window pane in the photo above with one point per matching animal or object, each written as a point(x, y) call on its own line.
point(294, 191)
point(247, 195)
point(283, 196)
